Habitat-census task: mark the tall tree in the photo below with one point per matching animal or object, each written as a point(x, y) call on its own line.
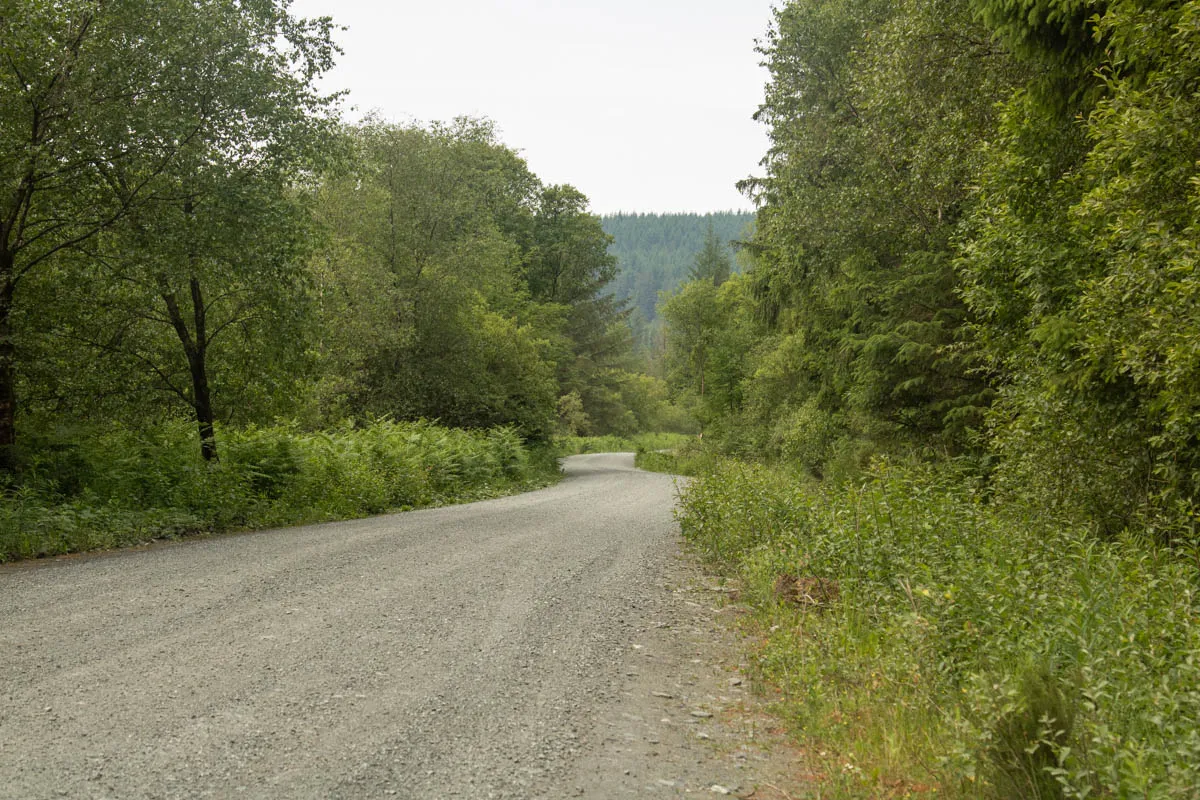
point(569, 262)
point(569, 266)
point(876, 130)
point(427, 314)
point(708, 339)
point(712, 263)
point(101, 102)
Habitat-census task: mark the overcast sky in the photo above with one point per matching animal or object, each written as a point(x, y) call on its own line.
point(644, 105)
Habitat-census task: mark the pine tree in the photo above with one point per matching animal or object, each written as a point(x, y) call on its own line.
point(712, 262)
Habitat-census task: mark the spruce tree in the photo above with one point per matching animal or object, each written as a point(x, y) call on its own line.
point(712, 262)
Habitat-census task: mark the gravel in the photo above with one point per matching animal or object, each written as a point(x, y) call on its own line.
point(474, 651)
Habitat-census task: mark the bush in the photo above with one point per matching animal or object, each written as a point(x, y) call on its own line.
point(1011, 656)
point(87, 490)
point(807, 436)
point(648, 442)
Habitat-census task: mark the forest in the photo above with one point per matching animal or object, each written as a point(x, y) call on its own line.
point(951, 406)
point(656, 253)
point(216, 295)
point(947, 383)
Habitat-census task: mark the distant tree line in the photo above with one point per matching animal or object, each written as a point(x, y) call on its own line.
point(656, 253)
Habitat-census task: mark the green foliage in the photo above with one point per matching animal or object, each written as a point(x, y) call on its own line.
point(1004, 290)
point(656, 252)
point(850, 310)
point(1058, 32)
point(455, 286)
point(1080, 266)
point(936, 273)
point(96, 489)
point(713, 262)
point(127, 188)
point(572, 419)
point(569, 261)
point(1137, 321)
point(687, 457)
point(1022, 759)
point(1007, 290)
point(569, 268)
point(708, 336)
point(984, 648)
point(423, 316)
point(639, 443)
point(808, 437)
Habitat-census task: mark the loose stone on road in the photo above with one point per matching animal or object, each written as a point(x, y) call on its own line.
point(544, 645)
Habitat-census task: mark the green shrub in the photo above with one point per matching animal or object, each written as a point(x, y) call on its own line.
point(691, 458)
point(807, 436)
point(1024, 754)
point(576, 445)
point(1012, 656)
point(86, 490)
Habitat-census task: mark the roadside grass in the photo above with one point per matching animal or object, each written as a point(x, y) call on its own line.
point(94, 490)
point(957, 648)
point(641, 442)
point(687, 458)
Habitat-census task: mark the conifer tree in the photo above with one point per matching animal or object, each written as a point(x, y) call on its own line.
point(712, 262)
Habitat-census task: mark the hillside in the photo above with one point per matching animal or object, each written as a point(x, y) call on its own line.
point(655, 251)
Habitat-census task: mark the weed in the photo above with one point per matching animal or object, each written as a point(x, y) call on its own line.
point(95, 489)
point(987, 650)
point(642, 442)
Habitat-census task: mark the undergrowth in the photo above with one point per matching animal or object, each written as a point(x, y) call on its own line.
point(972, 650)
point(689, 458)
point(642, 442)
point(91, 490)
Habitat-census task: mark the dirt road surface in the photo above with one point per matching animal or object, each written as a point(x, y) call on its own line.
point(546, 645)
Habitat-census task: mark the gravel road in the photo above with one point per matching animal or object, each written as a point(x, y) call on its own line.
point(481, 650)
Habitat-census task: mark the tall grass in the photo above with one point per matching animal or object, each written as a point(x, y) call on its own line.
point(99, 489)
point(973, 651)
point(638, 443)
point(688, 458)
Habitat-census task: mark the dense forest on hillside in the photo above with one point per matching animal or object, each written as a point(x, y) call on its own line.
point(211, 246)
point(966, 347)
point(656, 252)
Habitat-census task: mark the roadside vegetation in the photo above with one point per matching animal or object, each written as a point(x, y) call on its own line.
point(950, 402)
point(687, 457)
point(113, 488)
point(924, 643)
point(638, 443)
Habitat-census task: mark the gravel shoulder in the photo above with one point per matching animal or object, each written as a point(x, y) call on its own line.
point(686, 721)
point(521, 647)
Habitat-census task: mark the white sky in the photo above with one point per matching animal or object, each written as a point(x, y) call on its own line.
point(643, 105)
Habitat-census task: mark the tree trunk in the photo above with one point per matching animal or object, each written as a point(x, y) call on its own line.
point(196, 350)
point(203, 406)
point(197, 361)
point(8, 366)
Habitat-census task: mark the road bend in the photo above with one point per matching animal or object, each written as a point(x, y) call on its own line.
point(452, 652)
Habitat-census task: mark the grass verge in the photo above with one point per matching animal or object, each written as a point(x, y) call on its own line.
point(926, 644)
point(687, 459)
point(642, 442)
point(118, 487)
